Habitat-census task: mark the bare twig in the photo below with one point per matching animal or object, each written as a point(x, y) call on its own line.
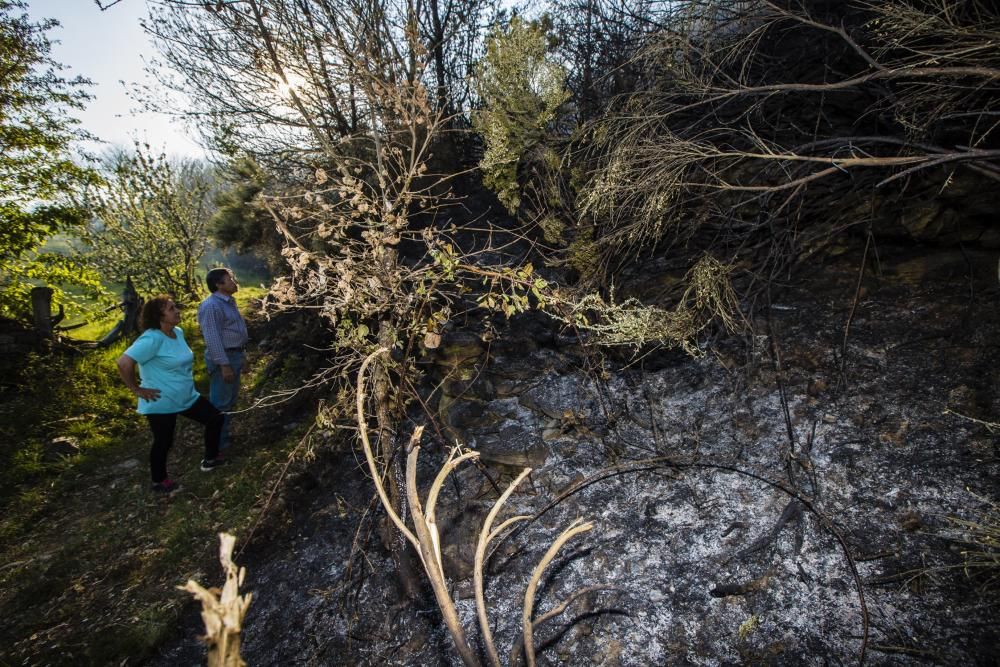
point(992, 427)
point(430, 553)
point(842, 381)
point(577, 527)
point(370, 457)
point(486, 534)
point(518, 648)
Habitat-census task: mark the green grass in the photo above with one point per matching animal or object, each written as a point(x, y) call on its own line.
point(65, 395)
point(79, 397)
point(90, 559)
point(100, 324)
point(102, 554)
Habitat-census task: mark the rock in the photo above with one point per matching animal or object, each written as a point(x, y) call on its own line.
point(989, 238)
point(413, 644)
point(458, 348)
point(469, 382)
point(465, 414)
point(556, 399)
point(552, 430)
point(126, 465)
point(609, 653)
point(925, 222)
point(911, 522)
point(512, 447)
point(895, 437)
point(457, 563)
point(525, 333)
point(817, 387)
point(60, 447)
point(459, 367)
point(510, 379)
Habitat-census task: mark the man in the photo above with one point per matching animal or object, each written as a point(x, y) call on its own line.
point(225, 335)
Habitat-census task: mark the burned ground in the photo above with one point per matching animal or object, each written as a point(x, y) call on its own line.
point(785, 499)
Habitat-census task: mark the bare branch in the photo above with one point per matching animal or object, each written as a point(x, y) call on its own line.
point(369, 455)
point(574, 529)
point(486, 534)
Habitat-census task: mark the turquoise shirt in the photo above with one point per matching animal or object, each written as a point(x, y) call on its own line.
point(164, 364)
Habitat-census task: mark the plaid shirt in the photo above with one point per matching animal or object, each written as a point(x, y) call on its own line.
point(222, 326)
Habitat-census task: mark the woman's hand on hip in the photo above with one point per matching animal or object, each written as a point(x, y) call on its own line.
point(147, 394)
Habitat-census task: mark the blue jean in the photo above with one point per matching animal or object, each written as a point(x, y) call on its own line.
point(223, 394)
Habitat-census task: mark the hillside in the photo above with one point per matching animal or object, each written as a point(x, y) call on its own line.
point(596, 333)
point(770, 503)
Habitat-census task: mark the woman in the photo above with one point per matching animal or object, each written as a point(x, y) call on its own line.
point(167, 387)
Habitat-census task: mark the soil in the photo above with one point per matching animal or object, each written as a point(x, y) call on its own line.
point(788, 498)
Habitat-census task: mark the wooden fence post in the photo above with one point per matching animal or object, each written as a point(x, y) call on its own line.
point(41, 310)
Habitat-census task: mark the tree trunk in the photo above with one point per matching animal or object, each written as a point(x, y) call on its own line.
point(41, 310)
point(131, 307)
point(437, 49)
point(395, 481)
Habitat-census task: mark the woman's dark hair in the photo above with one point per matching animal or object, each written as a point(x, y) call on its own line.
point(152, 311)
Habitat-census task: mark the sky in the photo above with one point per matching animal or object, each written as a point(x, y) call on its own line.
point(110, 48)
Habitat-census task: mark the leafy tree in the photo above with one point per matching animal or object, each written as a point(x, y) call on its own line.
point(240, 221)
point(37, 176)
point(152, 217)
point(522, 91)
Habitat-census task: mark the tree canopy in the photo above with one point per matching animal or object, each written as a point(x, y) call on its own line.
point(37, 175)
point(151, 221)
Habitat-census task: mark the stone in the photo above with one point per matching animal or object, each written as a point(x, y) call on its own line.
point(458, 561)
point(925, 222)
point(609, 654)
point(60, 447)
point(512, 447)
point(458, 348)
point(556, 399)
point(469, 382)
point(552, 430)
point(126, 465)
point(466, 414)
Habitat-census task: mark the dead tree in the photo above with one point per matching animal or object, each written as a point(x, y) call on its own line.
point(770, 128)
point(131, 305)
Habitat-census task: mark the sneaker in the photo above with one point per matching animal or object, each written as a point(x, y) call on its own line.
point(212, 464)
point(167, 486)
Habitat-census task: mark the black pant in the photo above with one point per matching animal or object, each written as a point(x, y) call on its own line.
point(163, 427)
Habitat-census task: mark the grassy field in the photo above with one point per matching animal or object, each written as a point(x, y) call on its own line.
point(250, 270)
point(89, 558)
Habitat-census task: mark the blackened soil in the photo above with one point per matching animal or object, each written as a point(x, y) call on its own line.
point(790, 498)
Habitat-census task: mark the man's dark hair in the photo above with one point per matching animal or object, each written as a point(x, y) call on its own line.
point(215, 277)
point(152, 311)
